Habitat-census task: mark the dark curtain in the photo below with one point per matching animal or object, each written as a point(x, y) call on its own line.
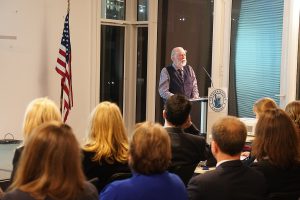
point(189, 24)
point(232, 97)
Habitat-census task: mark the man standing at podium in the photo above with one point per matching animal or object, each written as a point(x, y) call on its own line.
point(178, 78)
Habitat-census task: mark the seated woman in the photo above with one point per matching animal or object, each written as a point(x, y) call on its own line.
point(149, 158)
point(293, 110)
point(38, 111)
point(259, 107)
point(263, 104)
point(276, 148)
point(50, 167)
point(106, 150)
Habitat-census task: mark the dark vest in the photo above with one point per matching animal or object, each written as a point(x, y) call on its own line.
point(177, 86)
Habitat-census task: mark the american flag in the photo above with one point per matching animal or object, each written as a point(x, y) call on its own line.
point(63, 67)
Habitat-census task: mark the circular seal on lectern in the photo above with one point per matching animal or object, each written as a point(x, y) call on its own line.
point(217, 100)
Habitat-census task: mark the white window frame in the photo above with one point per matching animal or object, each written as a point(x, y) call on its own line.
point(221, 47)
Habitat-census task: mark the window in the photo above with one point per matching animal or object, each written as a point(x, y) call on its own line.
point(112, 64)
point(141, 83)
point(256, 42)
point(113, 9)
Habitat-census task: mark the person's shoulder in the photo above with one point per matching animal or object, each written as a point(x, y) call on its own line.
point(174, 177)
point(196, 138)
point(205, 178)
point(19, 149)
point(114, 189)
point(89, 191)
point(86, 153)
point(17, 194)
point(261, 165)
point(190, 67)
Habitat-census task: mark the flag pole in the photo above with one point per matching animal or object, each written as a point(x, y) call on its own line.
point(61, 97)
point(61, 84)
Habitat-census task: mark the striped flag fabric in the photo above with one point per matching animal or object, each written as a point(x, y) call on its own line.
point(63, 68)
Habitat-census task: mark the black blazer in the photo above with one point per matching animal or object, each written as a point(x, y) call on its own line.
point(282, 181)
point(101, 170)
point(187, 149)
point(16, 158)
point(229, 181)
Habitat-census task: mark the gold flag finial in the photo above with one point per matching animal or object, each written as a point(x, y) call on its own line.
point(68, 6)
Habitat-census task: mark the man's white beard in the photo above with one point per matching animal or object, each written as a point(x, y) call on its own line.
point(182, 63)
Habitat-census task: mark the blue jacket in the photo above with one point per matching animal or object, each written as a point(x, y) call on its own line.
point(165, 186)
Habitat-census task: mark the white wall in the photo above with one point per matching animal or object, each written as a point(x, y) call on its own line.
point(27, 64)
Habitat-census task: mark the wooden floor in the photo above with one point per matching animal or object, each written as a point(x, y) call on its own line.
point(6, 156)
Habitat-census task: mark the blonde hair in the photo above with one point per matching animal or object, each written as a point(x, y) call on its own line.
point(150, 149)
point(50, 165)
point(107, 135)
point(38, 111)
point(293, 110)
point(263, 104)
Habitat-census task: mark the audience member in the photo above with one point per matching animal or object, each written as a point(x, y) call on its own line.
point(187, 149)
point(276, 147)
point(106, 150)
point(263, 104)
point(149, 157)
point(50, 167)
point(231, 179)
point(38, 111)
point(259, 107)
point(293, 111)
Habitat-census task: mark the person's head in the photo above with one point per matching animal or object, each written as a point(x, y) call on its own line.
point(150, 149)
point(178, 56)
point(106, 134)
point(177, 110)
point(263, 104)
point(228, 136)
point(293, 110)
point(50, 164)
point(276, 138)
point(39, 111)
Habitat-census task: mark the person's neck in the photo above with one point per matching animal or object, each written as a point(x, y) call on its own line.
point(177, 67)
point(222, 157)
point(169, 124)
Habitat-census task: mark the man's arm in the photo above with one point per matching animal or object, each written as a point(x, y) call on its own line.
point(195, 92)
point(164, 84)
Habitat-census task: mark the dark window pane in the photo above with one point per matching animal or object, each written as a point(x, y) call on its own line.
point(141, 84)
point(113, 9)
point(142, 10)
point(112, 64)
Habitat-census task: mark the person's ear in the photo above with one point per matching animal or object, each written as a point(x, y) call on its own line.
point(164, 114)
point(214, 147)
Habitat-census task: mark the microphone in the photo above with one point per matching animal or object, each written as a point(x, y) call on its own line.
point(212, 85)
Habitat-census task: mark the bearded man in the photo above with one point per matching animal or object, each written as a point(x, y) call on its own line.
point(178, 78)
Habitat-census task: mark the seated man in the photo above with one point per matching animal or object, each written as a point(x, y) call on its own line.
point(231, 179)
point(187, 149)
